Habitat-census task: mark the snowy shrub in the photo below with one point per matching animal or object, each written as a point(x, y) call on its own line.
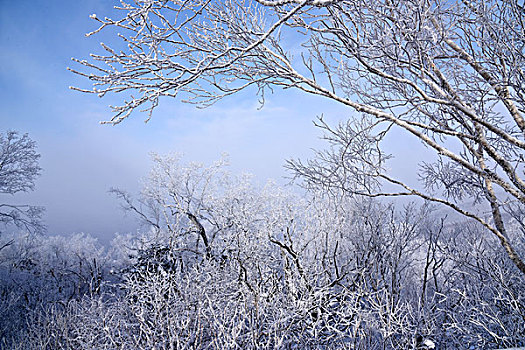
point(38, 270)
point(224, 264)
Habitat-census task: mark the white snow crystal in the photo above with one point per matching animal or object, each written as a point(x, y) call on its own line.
point(429, 344)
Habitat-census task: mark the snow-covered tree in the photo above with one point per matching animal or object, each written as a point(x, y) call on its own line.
point(18, 171)
point(449, 74)
point(284, 270)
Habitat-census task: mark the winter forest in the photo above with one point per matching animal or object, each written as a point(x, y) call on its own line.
point(349, 254)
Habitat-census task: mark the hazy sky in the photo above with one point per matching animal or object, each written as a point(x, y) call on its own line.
point(82, 159)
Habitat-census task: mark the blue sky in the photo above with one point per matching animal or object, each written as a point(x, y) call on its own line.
point(82, 159)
